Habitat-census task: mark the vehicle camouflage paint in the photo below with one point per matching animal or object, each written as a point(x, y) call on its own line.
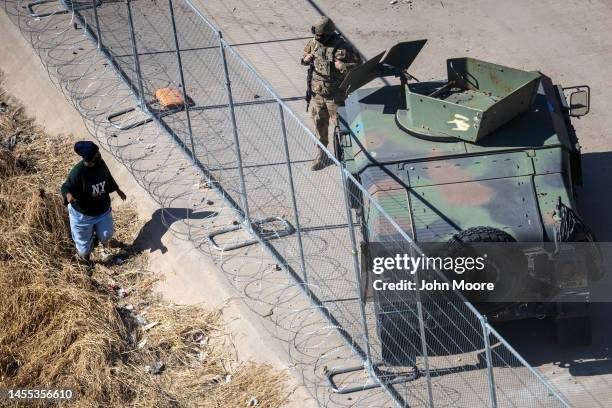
point(490, 146)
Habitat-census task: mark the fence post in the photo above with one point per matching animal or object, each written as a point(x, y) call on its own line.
point(135, 51)
point(487, 344)
point(292, 187)
point(182, 75)
point(357, 267)
point(97, 20)
point(422, 333)
point(230, 100)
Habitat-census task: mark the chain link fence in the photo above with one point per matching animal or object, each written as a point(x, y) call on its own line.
point(233, 135)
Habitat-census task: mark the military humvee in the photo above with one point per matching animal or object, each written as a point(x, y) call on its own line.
point(487, 155)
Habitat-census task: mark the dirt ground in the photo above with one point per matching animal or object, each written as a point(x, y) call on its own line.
point(570, 41)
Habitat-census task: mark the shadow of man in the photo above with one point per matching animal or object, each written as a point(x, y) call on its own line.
point(151, 234)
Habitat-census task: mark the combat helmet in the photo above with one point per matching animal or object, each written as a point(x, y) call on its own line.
point(323, 25)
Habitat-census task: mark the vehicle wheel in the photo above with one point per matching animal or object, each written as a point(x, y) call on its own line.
point(509, 273)
point(481, 234)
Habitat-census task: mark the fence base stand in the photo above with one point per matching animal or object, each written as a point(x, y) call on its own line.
point(387, 379)
point(69, 7)
point(258, 225)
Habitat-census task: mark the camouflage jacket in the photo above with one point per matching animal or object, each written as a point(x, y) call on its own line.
point(326, 77)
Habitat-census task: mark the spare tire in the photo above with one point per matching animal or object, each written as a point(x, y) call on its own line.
point(509, 272)
point(481, 234)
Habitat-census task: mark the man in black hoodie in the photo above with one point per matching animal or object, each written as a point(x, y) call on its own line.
point(86, 192)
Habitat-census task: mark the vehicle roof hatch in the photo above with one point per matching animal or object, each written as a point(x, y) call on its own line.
point(391, 62)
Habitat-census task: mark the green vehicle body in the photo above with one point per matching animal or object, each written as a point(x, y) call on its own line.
point(489, 146)
point(509, 176)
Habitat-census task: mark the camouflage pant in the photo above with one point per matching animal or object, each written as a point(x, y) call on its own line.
point(322, 109)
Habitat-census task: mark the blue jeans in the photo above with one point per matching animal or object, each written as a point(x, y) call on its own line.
point(82, 228)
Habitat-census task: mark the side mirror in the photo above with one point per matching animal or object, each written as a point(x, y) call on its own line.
point(579, 100)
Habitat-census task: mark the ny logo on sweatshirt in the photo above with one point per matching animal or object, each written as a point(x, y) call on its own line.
point(98, 189)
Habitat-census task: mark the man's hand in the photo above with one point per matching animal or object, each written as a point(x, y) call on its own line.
point(121, 195)
point(70, 198)
point(307, 59)
point(339, 65)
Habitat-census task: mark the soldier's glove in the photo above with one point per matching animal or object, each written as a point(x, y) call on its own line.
point(307, 59)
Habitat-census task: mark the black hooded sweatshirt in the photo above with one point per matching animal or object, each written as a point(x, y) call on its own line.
point(91, 187)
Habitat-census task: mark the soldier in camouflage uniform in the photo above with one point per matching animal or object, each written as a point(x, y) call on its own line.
point(332, 57)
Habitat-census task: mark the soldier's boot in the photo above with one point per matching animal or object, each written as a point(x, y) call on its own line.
point(321, 161)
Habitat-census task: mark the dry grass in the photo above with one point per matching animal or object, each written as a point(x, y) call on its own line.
point(61, 328)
